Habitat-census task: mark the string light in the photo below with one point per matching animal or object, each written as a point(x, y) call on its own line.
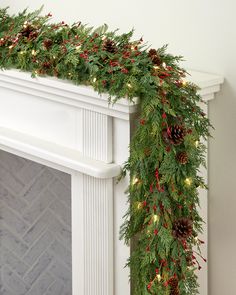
point(78, 48)
point(129, 85)
point(188, 181)
point(94, 80)
point(156, 67)
point(25, 24)
point(158, 277)
point(196, 239)
point(132, 47)
point(33, 52)
point(155, 218)
point(196, 143)
point(11, 46)
point(135, 180)
point(139, 205)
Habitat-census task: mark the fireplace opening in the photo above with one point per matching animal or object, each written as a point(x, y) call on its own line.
point(35, 228)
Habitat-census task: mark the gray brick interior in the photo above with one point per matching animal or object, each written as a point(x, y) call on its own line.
point(35, 228)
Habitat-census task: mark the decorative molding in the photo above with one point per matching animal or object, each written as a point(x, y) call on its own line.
point(98, 236)
point(23, 145)
point(65, 92)
point(97, 136)
point(77, 225)
point(209, 84)
point(85, 97)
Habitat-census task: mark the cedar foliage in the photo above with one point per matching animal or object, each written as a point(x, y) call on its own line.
point(162, 190)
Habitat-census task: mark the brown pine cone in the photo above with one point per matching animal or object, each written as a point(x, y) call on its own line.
point(47, 43)
point(182, 158)
point(174, 286)
point(27, 30)
point(33, 35)
point(173, 283)
point(176, 134)
point(174, 292)
point(109, 46)
point(152, 52)
point(156, 60)
point(182, 228)
point(47, 65)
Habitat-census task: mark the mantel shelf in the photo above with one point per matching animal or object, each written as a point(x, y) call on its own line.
point(65, 92)
point(14, 142)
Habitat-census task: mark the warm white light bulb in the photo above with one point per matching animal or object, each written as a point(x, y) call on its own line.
point(135, 180)
point(139, 205)
point(155, 218)
point(188, 181)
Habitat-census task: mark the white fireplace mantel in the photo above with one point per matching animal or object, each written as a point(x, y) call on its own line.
point(75, 130)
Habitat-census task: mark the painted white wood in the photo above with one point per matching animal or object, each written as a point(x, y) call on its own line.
point(64, 92)
point(203, 210)
point(209, 84)
point(52, 153)
point(78, 228)
point(97, 136)
point(98, 236)
point(121, 139)
point(74, 129)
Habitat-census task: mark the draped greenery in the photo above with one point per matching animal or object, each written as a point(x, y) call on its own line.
point(166, 152)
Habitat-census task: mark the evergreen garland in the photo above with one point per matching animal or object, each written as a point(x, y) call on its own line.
point(165, 152)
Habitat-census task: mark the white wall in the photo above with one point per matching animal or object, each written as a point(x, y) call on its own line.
point(204, 31)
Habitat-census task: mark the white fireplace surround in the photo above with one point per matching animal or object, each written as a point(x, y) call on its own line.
point(73, 129)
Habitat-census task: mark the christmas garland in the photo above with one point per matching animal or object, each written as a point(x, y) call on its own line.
point(162, 222)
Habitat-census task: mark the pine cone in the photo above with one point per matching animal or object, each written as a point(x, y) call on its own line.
point(27, 30)
point(47, 43)
point(182, 158)
point(176, 134)
point(182, 228)
point(156, 60)
point(174, 286)
point(109, 46)
point(46, 65)
point(174, 292)
point(154, 57)
point(33, 35)
point(152, 52)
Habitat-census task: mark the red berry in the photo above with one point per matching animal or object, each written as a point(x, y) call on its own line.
point(164, 116)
